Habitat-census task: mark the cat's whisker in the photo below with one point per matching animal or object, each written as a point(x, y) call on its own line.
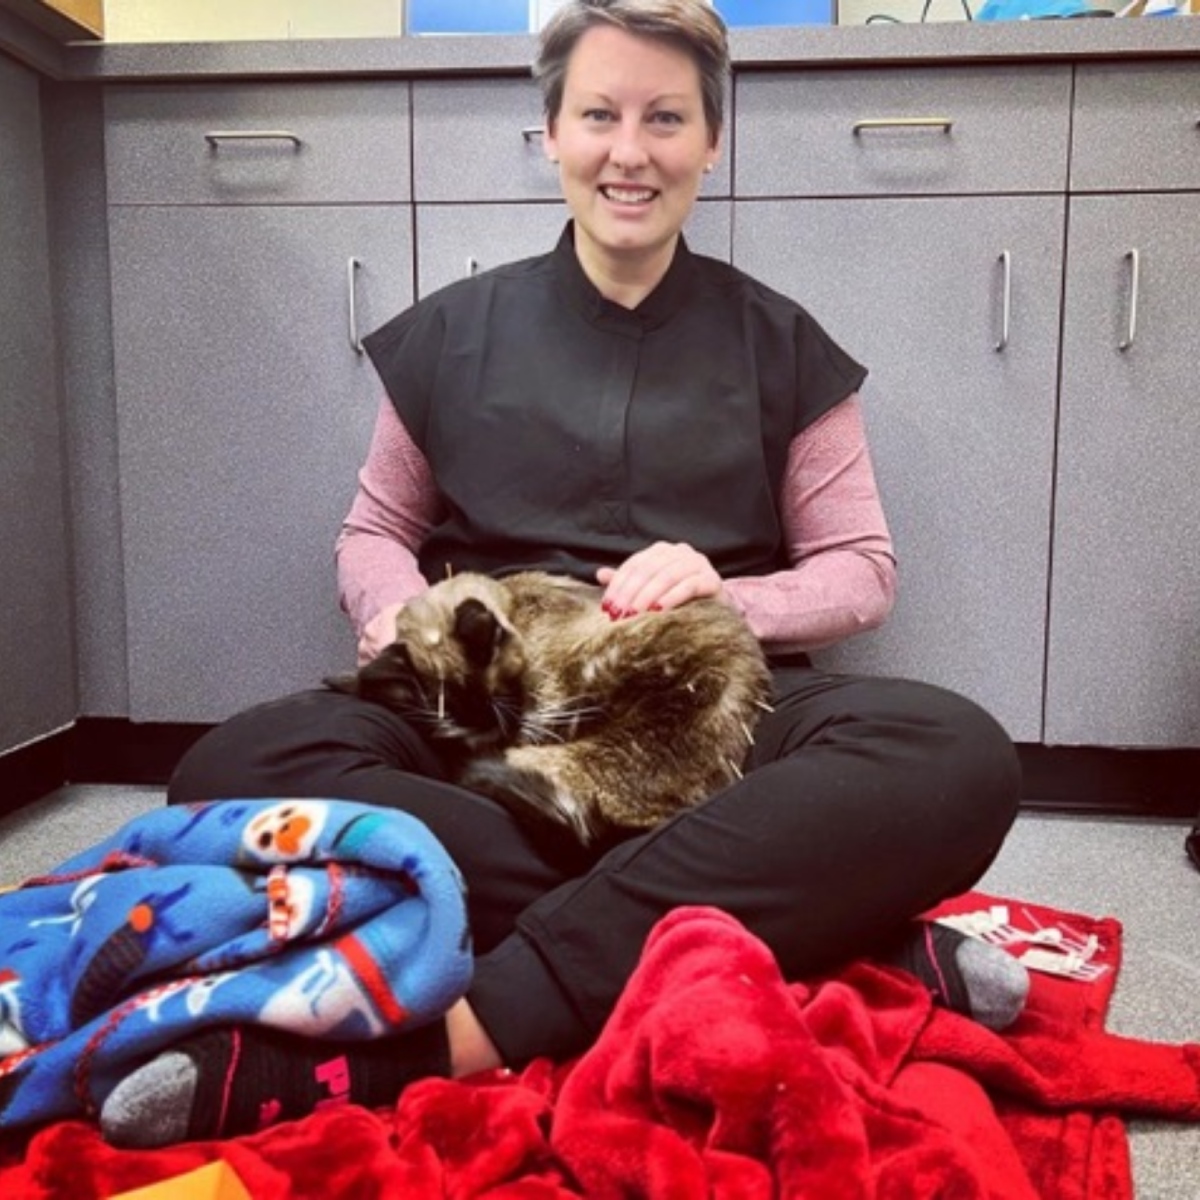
point(533, 734)
point(749, 735)
point(508, 717)
point(441, 704)
point(764, 706)
point(558, 723)
point(570, 716)
point(734, 769)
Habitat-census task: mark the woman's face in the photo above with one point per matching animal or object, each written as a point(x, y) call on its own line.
point(633, 144)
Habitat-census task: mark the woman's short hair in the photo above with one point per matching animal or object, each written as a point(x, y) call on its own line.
point(693, 26)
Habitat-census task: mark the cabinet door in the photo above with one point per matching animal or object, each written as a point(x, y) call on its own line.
point(962, 434)
point(1124, 647)
point(244, 414)
point(36, 644)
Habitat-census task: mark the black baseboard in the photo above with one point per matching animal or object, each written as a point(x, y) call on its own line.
point(1090, 779)
point(33, 770)
point(94, 750)
point(1070, 779)
point(110, 750)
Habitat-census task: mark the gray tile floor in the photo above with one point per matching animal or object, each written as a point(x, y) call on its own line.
point(1133, 870)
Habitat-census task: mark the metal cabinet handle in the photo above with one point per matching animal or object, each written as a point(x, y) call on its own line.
point(1005, 261)
point(1134, 259)
point(532, 131)
point(945, 124)
point(352, 269)
point(214, 137)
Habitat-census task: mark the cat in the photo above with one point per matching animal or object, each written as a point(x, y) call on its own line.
point(541, 701)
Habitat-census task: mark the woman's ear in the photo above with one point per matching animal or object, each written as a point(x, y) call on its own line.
point(716, 146)
point(550, 139)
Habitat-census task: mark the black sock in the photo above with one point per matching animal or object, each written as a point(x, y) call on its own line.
point(962, 973)
point(236, 1079)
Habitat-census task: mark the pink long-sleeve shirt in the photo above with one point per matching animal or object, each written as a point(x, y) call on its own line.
point(841, 581)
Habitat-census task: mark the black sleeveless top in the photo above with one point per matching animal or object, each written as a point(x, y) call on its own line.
point(565, 432)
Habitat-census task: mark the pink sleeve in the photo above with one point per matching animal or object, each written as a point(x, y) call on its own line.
point(393, 510)
point(843, 575)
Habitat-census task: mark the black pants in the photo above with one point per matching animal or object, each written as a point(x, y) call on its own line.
point(864, 802)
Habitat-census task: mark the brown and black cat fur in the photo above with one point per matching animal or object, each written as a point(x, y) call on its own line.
point(542, 702)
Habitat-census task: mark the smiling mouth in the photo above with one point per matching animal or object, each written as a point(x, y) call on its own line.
point(627, 195)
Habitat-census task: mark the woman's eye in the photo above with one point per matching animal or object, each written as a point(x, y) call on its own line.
point(597, 114)
point(666, 118)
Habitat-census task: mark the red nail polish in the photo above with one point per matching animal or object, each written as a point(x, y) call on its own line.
point(655, 608)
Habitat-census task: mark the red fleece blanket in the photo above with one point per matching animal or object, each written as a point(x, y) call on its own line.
point(716, 1078)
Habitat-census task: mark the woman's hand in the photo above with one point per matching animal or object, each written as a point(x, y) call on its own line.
point(664, 575)
point(378, 632)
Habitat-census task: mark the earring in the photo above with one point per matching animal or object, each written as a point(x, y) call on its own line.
point(552, 158)
point(708, 168)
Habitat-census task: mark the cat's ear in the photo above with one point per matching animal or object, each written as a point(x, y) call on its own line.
point(388, 679)
point(478, 632)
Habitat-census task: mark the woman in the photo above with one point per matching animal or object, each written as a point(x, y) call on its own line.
point(687, 432)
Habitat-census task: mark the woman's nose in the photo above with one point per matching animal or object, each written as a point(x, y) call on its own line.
point(628, 149)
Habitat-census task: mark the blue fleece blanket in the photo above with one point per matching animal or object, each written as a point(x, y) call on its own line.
point(324, 917)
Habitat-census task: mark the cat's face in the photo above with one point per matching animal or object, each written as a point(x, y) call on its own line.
point(456, 667)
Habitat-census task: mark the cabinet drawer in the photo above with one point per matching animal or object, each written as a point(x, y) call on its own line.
point(480, 140)
point(258, 143)
point(1137, 127)
point(903, 132)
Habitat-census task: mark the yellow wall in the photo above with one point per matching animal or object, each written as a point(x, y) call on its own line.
point(222, 20)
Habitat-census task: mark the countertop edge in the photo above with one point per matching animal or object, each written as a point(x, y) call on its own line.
point(752, 49)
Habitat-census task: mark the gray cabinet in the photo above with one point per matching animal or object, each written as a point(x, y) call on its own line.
point(479, 140)
point(962, 434)
point(915, 240)
point(921, 130)
point(256, 232)
point(36, 644)
point(1136, 127)
point(263, 143)
point(1124, 627)
point(926, 216)
point(1124, 648)
point(244, 414)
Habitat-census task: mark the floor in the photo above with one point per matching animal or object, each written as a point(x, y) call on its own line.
point(1133, 870)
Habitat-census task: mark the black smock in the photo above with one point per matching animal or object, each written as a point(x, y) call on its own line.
point(565, 432)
